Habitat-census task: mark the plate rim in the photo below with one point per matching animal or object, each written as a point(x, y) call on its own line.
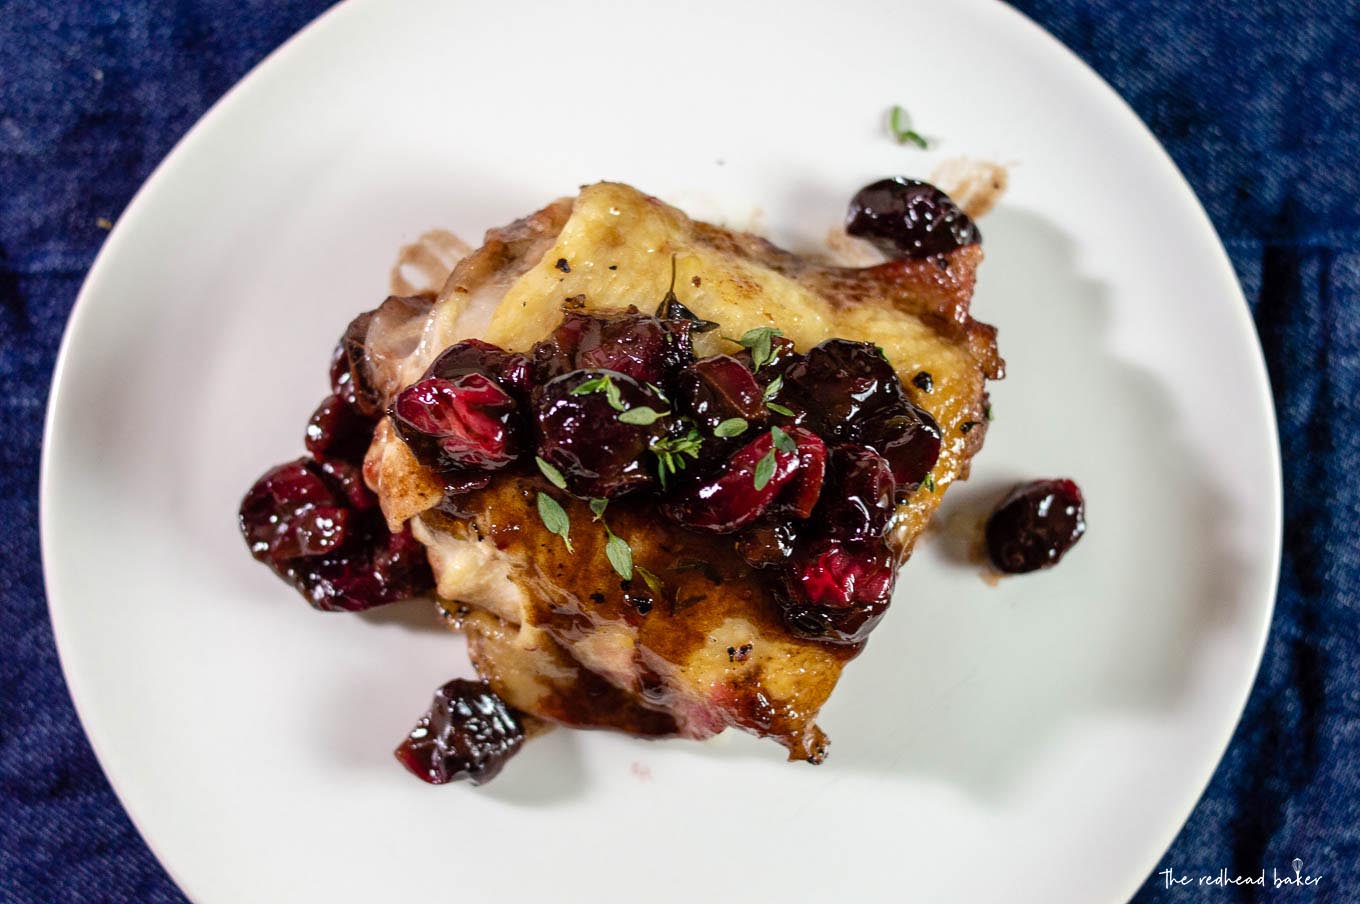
point(62, 377)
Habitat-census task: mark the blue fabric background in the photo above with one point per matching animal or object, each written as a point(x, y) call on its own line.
point(1258, 102)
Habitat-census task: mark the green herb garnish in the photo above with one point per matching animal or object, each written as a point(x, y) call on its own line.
point(597, 507)
point(670, 453)
point(764, 470)
point(620, 554)
point(733, 426)
point(900, 125)
point(554, 476)
point(773, 390)
point(653, 582)
point(929, 482)
point(555, 518)
point(782, 441)
point(641, 416)
point(605, 384)
point(758, 341)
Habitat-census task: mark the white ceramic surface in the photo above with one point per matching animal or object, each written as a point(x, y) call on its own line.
point(1038, 741)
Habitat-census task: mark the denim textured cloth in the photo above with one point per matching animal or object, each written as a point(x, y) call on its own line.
point(1258, 102)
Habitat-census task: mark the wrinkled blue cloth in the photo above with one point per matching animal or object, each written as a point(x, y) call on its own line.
point(1258, 102)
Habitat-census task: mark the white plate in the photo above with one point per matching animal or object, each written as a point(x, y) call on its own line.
point(1037, 741)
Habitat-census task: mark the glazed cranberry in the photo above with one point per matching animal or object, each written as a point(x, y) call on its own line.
point(581, 433)
point(860, 495)
point(338, 430)
point(766, 545)
point(782, 357)
point(467, 733)
point(840, 381)
point(838, 590)
point(373, 569)
point(347, 480)
point(648, 349)
point(342, 385)
point(291, 512)
point(319, 528)
point(906, 218)
point(717, 389)
point(473, 356)
point(731, 500)
point(1035, 525)
point(908, 437)
point(469, 423)
point(349, 375)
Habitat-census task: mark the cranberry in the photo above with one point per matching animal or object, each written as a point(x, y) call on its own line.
point(717, 389)
point(350, 378)
point(473, 356)
point(838, 590)
point(646, 348)
point(467, 733)
point(840, 381)
point(291, 512)
point(581, 434)
point(907, 218)
point(347, 479)
point(1035, 525)
point(374, 569)
point(319, 528)
point(782, 357)
point(342, 384)
point(731, 500)
point(859, 501)
point(908, 437)
point(338, 430)
point(466, 423)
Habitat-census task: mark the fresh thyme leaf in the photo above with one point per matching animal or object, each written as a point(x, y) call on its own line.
point(654, 583)
point(780, 409)
point(733, 426)
point(881, 353)
point(670, 453)
point(620, 555)
point(603, 382)
point(657, 389)
point(758, 341)
point(594, 384)
point(900, 124)
point(555, 518)
point(764, 470)
point(642, 416)
point(597, 507)
point(929, 482)
point(782, 441)
point(773, 389)
point(611, 394)
point(554, 476)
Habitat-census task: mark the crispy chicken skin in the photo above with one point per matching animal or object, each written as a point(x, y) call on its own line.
point(558, 635)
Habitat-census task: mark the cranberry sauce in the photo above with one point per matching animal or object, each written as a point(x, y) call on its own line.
point(907, 218)
point(315, 523)
point(467, 733)
point(1035, 525)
